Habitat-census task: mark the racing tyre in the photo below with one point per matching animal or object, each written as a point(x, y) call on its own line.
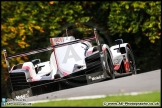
point(57, 76)
point(110, 68)
point(131, 61)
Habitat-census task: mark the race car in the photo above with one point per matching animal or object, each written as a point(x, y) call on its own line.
point(73, 62)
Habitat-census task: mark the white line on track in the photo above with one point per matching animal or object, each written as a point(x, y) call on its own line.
point(90, 97)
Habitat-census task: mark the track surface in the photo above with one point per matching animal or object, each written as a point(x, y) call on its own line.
point(148, 81)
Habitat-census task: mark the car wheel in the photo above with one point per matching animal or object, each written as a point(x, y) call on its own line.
point(131, 61)
point(57, 76)
point(110, 67)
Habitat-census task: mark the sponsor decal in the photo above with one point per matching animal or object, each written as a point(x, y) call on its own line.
point(96, 77)
point(58, 39)
point(23, 96)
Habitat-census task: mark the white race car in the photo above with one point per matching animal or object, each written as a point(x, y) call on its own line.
point(72, 62)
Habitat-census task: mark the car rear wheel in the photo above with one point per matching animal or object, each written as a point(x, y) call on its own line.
point(131, 61)
point(110, 68)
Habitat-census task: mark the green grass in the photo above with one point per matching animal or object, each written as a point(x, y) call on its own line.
point(149, 97)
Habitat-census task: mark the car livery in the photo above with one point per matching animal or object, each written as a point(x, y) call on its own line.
point(73, 62)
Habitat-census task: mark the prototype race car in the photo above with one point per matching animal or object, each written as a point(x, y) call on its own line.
point(72, 63)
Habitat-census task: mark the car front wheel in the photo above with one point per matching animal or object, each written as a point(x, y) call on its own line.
point(110, 68)
point(131, 61)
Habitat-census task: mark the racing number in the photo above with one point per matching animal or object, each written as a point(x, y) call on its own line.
point(73, 54)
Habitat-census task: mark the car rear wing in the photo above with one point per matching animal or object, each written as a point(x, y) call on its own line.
point(95, 37)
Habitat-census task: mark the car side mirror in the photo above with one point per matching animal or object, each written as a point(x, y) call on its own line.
point(119, 41)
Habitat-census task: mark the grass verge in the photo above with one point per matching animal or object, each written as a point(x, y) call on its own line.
point(149, 99)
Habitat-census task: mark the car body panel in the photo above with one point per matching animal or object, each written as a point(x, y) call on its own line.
point(77, 62)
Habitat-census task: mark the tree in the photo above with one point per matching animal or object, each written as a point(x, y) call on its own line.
point(136, 17)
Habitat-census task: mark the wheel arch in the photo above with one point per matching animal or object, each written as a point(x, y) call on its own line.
point(105, 46)
point(111, 72)
point(124, 46)
point(129, 46)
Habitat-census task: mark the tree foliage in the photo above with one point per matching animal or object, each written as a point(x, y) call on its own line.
point(27, 25)
point(136, 16)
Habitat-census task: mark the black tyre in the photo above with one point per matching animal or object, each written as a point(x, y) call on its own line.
point(121, 69)
point(57, 76)
point(110, 67)
point(131, 61)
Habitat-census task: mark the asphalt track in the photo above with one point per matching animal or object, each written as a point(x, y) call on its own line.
point(148, 81)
